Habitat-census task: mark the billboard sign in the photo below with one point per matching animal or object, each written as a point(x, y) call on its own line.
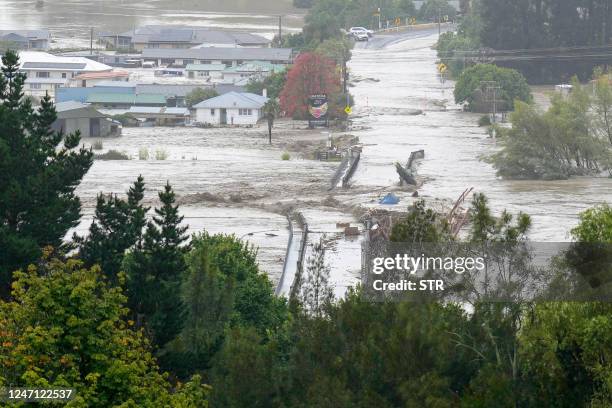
point(318, 110)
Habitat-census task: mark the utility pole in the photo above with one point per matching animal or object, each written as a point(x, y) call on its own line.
point(280, 30)
point(491, 87)
point(439, 21)
point(91, 42)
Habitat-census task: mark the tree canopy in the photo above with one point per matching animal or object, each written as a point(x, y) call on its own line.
point(40, 168)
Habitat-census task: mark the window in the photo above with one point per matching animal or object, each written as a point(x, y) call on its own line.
point(245, 112)
point(64, 75)
point(227, 63)
point(43, 74)
point(34, 86)
point(212, 112)
point(203, 73)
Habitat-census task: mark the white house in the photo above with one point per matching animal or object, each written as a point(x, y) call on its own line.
point(47, 72)
point(232, 108)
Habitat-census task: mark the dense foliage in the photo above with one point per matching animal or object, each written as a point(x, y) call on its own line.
point(546, 40)
point(273, 84)
point(566, 140)
point(471, 88)
point(66, 328)
point(39, 171)
point(434, 10)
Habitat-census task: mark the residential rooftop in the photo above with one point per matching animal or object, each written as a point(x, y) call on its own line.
point(234, 100)
point(220, 53)
point(34, 60)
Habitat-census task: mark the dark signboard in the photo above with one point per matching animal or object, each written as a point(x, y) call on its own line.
point(317, 110)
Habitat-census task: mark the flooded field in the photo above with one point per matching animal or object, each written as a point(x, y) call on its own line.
point(453, 143)
point(70, 21)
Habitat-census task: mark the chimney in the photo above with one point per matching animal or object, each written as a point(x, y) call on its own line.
point(264, 93)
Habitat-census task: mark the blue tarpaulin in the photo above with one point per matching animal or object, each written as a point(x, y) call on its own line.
point(390, 199)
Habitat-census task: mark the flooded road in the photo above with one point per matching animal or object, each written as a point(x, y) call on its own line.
point(452, 141)
point(70, 21)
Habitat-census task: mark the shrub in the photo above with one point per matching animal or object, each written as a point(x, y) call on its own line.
point(143, 153)
point(286, 156)
point(112, 155)
point(485, 120)
point(161, 154)
point(97, 145)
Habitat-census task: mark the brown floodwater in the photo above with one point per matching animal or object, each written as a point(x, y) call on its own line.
point(454, 145)
point(70, 21)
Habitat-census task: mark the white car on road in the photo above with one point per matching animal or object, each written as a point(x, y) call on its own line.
point(361, 30)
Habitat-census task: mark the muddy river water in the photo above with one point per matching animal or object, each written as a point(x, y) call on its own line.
point(454, 145)
point(70, 21)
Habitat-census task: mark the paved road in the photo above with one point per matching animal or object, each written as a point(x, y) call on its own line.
point(380, 41)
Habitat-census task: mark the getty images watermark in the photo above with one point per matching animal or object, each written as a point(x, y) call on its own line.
point(411, 266)
point(492, 272)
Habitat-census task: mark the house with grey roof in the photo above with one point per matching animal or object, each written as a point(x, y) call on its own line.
point(233, 108)
point(177, 37)
point(35, 40)
point(75, 116)
point(230, 57)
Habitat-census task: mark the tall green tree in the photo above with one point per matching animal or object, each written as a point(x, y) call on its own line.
point(223, 288)
point(156, 269)
point(316, 293)
point(117, 226)
point(39, 171)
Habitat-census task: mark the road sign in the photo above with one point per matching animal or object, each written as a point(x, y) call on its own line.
point(348, 110)
point(442, 68)
point(413, 21)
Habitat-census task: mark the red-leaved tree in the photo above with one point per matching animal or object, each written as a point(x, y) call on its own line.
point(311, 74)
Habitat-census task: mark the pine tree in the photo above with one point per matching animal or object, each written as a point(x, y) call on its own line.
point(38, 175)
point(155, 271)
point(117, 226)
point(316, 291)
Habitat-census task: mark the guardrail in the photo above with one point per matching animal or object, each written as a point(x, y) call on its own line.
point(281, 281)
point(297, 281)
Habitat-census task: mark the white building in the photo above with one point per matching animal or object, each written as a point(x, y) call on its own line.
point(47, 72)
point(232, 108)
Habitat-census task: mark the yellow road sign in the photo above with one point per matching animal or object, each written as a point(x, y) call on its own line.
point(442, 68)
point(348, 110)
